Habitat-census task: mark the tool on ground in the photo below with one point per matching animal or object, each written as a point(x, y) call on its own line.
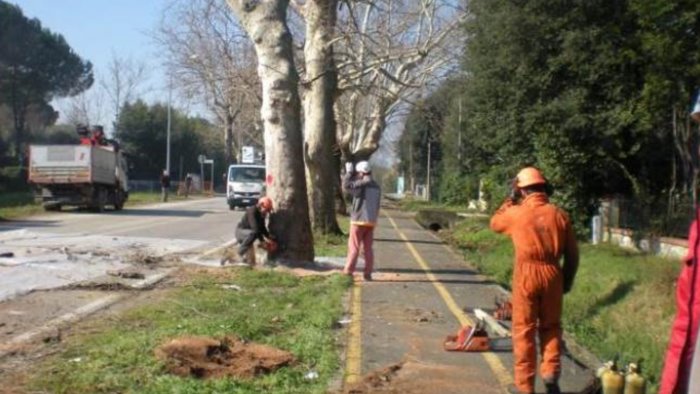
point(468, 339)
point(270, 246)
point(634, 381)
point(612, 380)
point(504, 309)
point(493, 323)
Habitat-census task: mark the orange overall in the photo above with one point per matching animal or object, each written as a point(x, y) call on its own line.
point(541, 234)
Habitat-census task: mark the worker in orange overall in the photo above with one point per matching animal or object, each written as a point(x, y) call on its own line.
point(541, 235)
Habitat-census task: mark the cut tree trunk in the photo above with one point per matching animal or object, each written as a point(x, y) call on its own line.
point(265, 23)
point(319, 120)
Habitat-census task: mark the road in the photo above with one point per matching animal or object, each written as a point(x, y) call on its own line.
point(67, 265)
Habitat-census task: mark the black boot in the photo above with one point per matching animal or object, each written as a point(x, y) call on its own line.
point(552, 387)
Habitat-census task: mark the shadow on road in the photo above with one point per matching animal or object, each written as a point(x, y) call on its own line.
point(431, 271)
point(9, 225)
point(158, 213)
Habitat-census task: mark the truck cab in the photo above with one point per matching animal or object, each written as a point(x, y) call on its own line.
point(245, 185)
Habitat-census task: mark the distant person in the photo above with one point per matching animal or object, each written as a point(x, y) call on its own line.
point(98, 136)
point(188, 184)
point(366, 198)
point(165, 185)
point(252, 227)
point(83, 134)
point(541, 234)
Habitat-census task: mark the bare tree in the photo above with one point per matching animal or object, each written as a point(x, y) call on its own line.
point(211, 57)
point(265, 23)
point(87, 108)
point(388, 51)
point(122, 82)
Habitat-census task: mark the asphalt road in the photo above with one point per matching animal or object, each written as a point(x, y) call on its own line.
point(208, 220)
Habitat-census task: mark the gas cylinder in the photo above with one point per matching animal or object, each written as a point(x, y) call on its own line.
point(605, 367)
point(612, 380)
point(634, 381)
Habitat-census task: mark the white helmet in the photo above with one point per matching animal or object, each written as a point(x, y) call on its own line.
point(363, 167)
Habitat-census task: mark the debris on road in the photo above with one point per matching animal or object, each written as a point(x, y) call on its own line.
point(126, 274)
point(7, 254)
point(375, 381)
point(208, 358)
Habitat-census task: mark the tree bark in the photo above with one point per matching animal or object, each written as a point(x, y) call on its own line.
point(319, 119)
point(265, 23)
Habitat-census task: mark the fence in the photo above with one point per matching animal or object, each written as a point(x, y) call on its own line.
point(658, 229)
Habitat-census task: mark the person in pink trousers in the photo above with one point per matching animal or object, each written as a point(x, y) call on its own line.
point(366, 196)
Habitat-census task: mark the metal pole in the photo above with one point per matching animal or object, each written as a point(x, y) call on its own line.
point(201, 175)
point(212, 176)
point(429, 159)
point(167, 151)
point(459, 133)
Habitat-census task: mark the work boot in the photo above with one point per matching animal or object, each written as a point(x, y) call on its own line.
point(511, 389)
point(551, 386)
point(367, 277)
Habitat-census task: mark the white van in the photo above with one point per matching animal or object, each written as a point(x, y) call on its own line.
point(245, 185)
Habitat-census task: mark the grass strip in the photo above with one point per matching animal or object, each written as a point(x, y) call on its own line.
point(294, 314)
point(333, 245)
point(622, 302)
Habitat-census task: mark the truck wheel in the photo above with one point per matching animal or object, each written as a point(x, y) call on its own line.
point(118, 200)
point(52, 207)
point(99, 200)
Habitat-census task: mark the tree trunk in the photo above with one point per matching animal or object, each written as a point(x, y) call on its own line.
point(265, 23)
point(228, 140)
point(319, 119)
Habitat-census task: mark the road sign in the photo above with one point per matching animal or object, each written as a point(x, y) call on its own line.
point(201, 158)
point(247, 155)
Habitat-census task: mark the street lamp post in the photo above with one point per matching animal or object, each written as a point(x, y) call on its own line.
point(167, 150)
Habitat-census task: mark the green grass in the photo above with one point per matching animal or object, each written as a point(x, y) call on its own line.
point(333, 245)
point(412, 204)
point(281, 310)
point(15, 205)
point(622, 302)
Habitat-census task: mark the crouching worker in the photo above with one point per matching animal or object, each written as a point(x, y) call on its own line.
point(541, 235)
point(252, 227)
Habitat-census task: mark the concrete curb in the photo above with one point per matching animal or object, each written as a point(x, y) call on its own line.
point(8, 347)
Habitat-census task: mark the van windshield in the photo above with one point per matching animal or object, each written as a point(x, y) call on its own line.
point(246, 174)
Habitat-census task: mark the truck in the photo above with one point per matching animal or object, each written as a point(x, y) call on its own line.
point(85, 176)
point(245, 184)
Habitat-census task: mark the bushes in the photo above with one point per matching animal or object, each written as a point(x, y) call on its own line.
point(13, 178)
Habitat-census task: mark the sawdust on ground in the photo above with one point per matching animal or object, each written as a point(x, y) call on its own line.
point(205, 357)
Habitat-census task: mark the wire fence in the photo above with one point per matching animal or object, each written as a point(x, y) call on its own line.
point(667, 219)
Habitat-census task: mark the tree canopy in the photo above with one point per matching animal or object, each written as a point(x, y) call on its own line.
point(36, 66)
point(584, 90)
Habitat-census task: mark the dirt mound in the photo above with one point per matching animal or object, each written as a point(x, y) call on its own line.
point(375, 381)
point(204, 357)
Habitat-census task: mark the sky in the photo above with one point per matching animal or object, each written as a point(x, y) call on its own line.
point(96, 29)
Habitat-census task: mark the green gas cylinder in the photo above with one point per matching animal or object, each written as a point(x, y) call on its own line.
point(612, 381)
point(634, 381)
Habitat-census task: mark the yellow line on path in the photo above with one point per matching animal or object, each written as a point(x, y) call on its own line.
point(502, 374)
point(353, 363)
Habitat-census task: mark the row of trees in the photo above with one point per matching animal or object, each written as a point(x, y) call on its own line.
point(330, 76)
point(36, 66)
point(595, 93)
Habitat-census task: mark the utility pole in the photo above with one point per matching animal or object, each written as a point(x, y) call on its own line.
point(428, 177)
point(167, 150)
point(459, 131)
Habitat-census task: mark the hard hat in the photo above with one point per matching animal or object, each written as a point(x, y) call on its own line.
point(530, 176)
point(265, 202)
point(363, 167)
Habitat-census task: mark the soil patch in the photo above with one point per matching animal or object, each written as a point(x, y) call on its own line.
point(374, 381)
point(205, 358)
